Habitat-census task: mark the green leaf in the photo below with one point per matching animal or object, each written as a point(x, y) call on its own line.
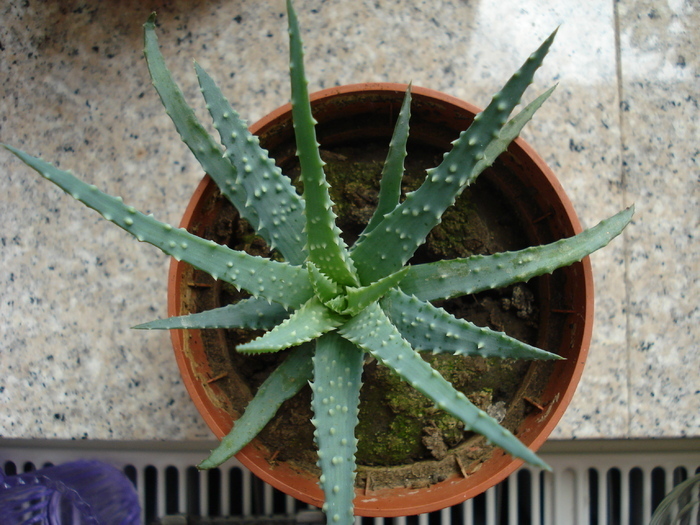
point(274, 281)
point(325, 247)
point(203, 146)
point(251, 314)
point(373, 332)
point(394, 240)
point(304, 325)
point(509, 133)
point(335, 402)
point(324, 288)
point(359, 298)
point(284, 382)
point(445, 279)
point(271, 194)
point(392, 172)
point(429, 328)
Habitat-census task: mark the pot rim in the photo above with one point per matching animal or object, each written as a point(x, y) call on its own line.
point(401, 501)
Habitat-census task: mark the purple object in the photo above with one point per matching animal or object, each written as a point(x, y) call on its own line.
point(76, 493)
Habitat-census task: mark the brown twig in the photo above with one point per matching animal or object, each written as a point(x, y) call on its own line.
point(534, 403)
point(461, 467)
point(541, 218)
point(217, 378)
point(200, 285)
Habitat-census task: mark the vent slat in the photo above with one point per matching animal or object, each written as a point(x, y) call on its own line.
point(467, 512)
point(140, 484)
point(267, 499)
point(247, 479)
point(513, 491)
point(491, 506)
point(537, 485)
point(224, 491)
point(160, 491)
point(646, 500)
point(204, 494)
point(624, 496)
point(603, 500)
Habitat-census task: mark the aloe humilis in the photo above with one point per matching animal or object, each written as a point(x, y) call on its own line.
point(333, 303)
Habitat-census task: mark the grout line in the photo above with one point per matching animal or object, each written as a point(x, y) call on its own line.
point(625, 203)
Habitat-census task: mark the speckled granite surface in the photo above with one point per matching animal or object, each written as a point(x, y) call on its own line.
point(622, 127)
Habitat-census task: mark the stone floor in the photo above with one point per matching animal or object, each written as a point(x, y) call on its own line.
point(621, 128)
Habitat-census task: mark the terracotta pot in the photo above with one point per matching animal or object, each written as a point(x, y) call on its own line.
point(369, 110)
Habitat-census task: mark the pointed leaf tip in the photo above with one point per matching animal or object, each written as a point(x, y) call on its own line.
point(151, 22)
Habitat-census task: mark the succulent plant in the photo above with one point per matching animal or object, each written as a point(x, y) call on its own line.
point(331, 303)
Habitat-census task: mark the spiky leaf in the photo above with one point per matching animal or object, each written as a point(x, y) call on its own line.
point(284, 382)
point(336, 397)
point(325, 247)
point(325, 289)
point(305, 324)
point(203, 146)
point(271, 194)
point(392, 172)
point(251, 314)
point(373, 332)
point(427, 327)
point(509, 133)
point(275, 281)
point(445, 279)
point(394, 240)
point(357, 299)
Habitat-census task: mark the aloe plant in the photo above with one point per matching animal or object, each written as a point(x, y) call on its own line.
point(332, 303)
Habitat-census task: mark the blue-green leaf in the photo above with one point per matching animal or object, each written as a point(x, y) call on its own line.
point(445, 279)
point(394, 240)
point(509, 133)
point(251, 314)
point(305, 324)
point(278, 206)
point(275, 281)
point(373, 332)
point(284, 382)
point(325, 289)
point(203, 146)
point(392, 172)
point(358, 299)
point(429, 328)
point(336, 397)
point(325, 247)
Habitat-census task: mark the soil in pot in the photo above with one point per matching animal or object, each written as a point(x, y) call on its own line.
point(405, 441)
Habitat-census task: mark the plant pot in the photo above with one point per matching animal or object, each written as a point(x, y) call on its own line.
point(531, 192)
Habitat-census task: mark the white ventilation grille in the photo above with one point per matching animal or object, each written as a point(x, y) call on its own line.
point(588, 487)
